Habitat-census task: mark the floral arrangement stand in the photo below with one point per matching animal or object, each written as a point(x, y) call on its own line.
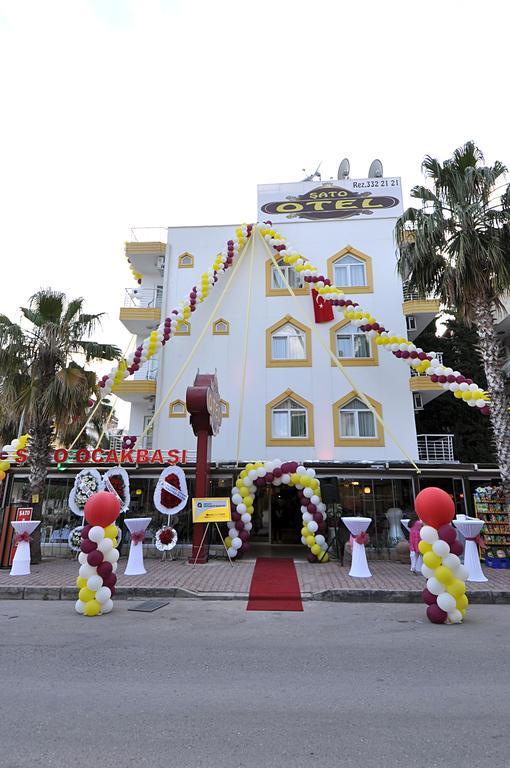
point(165, 539)
point(357, 527)
point(470, 529)
point(21, 561)
point(137, 527)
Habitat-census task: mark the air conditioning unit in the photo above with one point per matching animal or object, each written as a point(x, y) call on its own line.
point(417, 401)
point(160, 263)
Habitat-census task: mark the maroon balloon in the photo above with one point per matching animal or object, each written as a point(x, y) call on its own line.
point(239, 525)
point(95, 558)
point(436, 615)
point(88, 546)
point(236, 516)
point(110, 581)
point(112, 590)
point(447, 533)
point(277, 472)
point(311, 557)
point(244, 535)
point(456, 548)
point(85, 532)
point(428, 597)
point(244, 547)
point(269, 477)
point(105, 569)
point(311, 508)
point(318, 518)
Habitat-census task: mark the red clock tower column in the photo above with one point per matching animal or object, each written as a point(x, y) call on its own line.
point(204, 406)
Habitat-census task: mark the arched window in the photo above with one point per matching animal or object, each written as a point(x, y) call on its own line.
point(289, 420)
point(184, 329)
point(288, 344)
point(355, 423)
point(225, 409)
point(275, 284)
point(351, 342)
point(221, 327)
point(351, 270)
point(185, 260)
point(177, 409)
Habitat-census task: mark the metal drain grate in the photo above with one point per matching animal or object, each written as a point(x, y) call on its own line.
point(148, 606)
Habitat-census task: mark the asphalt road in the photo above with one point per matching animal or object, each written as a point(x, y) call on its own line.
point(206, 684)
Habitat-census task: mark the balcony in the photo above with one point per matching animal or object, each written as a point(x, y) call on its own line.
point(435, 448)
point(418, 309)
point(142, 309)
point(422, 384)
point(146, 257)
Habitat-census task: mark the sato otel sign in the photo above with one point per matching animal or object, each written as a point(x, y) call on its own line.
point(342, 199)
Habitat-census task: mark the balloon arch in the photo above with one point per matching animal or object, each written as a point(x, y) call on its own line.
point(275, 473)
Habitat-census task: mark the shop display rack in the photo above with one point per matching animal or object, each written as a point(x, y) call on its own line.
point(490, 507)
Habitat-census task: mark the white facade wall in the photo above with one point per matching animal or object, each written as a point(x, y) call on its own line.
point(321, 384)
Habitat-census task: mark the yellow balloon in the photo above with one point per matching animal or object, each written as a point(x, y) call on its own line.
point(111, 531)
point(5, 466)
point(316, 549)
point(424, 547)
point(305, 532)
point(244, 491)
point(228, 542)
point(92, 608)
point(294, 478)
point(462, 603)
point(310, 540)
point(431, 560)
point(80, 582)
point(324, 558)
point(458, 394)
point(2, 475)
point(456, 588)
point(444, 575)
point(86, 595)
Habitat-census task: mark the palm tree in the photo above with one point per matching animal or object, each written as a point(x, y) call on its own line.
point(43, 378)
point(457, 246)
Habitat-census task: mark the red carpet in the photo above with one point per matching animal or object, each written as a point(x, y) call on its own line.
point(274, 586)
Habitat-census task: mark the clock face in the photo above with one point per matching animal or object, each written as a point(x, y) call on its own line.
point(214, 407)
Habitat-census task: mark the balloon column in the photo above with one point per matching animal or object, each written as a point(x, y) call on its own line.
point(20, 443)
point(98, 557)
point(445, 593)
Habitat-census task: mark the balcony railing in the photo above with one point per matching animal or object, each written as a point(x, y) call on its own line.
point(143, 298)
point(412, 295)
point(439, 356)
point(148, 371)
point(435, 448)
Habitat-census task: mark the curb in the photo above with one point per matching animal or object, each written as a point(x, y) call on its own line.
point(9, 592)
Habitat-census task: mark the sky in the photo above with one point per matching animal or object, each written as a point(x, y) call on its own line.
point(146, 113)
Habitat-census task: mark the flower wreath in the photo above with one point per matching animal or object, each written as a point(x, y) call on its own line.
point(74, 539)
point(86, 484)
point(165, 539)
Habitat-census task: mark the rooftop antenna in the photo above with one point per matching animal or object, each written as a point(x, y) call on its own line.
point(314, 175)
point(376, 170)
point(344, 169)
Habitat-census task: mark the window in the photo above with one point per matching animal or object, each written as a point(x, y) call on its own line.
point(185, 260)
point(356, 420)
point(352, 270)
point(351, 342)
point(411, 323)
point(225, 409)
point(289, 420)
point(288, 344)
point(355, 424)
point(417, 401)
point(275, 284)
point(221, 327)
point(184, 329)
point(177, 409)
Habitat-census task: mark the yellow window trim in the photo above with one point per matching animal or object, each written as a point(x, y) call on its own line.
point(220, 333)
point(304, 291)
point(290, 441)
point(226, 413)
point(353, 442)
point(177, 415)
point(184, 329)
point(349, 249)
point(304, 362)
point(352, 361)
point(185, 255)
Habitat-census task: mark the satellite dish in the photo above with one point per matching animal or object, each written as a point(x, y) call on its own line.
point(344, 169)
point(376, 170)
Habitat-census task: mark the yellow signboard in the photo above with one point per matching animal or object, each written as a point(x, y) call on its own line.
point(211, 510)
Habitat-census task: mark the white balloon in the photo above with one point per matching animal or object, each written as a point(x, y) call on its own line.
point(248, 526)
point(269, 466)
point(112, 556)
point(237, 499)
point(241, 508)
point(303, 540)
point(315, 499)
point(261, 472)
point(277, 463)
point(114, 567)
point(94, 583)
point(308, 493)
point(246, 517)
point(429, 534)
point(247, 482)
point(319, 539)
point(277, 481)
point(96, 533)
point(435, 587)
point(232, 552)
point(310, 472)
point(107, 607)
point(237, 542)
point(462, 573)
point(427, 572)
point(446, 602)
point(86, 571)
point(312, 526)
point(252, 474)
point(301, 470)
point(105, 546)
point(452, 562)
point(321, 507)
point(307, 517)
point(82, 558)
point(79, 606)
point(455, 617)
point(440, 548)
point(285, 479)
point(303, 510)
point(103, 594)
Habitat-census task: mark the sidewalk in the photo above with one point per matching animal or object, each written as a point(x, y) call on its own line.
point(54, 579)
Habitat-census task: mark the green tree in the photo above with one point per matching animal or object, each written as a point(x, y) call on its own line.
point(43, 379)
point(456, 246)
point(474, 438)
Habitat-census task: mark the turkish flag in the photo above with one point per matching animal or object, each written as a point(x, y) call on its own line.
point(322, 309)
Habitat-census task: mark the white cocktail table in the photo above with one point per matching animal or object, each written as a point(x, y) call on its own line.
point(136, 526)
point(359, 564)
point(405, 522)
point(21, 560)
point(394, 517)
point(470, 529)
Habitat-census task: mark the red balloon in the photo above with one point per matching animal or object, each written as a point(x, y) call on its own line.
point(428, 597)
point(88, 546)
point(85, 531)
point(436, 615)
point(105, 569)
point(102, 509)
point(95, 558)
point(434, 507)
point(110, 580)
